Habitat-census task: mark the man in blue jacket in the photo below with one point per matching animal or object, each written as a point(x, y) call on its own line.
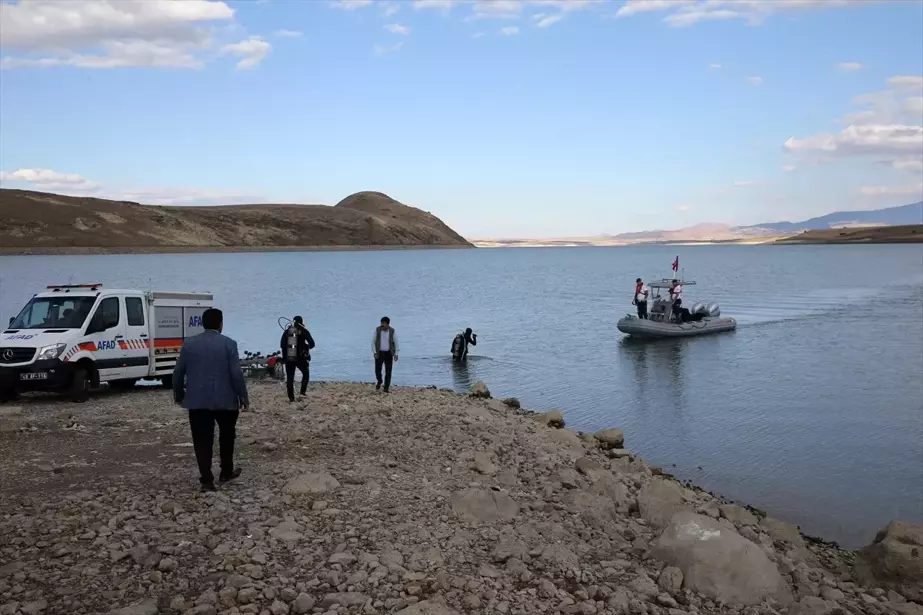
point(209, 383)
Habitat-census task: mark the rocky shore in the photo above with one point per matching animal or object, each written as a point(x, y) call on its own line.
point(421, 502)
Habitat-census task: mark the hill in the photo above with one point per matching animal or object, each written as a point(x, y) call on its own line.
point(910, 233)
point(891, 216)
point(40, 222)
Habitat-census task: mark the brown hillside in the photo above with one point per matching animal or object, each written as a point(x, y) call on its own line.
point(40, 221)
point(909, 233)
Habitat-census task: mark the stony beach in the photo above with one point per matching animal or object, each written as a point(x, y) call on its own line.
point(420, 502)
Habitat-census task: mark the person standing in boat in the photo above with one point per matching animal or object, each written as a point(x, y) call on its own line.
point(640, 299)
point(676, 296)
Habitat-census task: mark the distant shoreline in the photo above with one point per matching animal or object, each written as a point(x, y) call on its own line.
point(906, 234)
point(112, 251)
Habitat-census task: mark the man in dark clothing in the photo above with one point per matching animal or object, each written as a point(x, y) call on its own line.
point(209, 383)
point(296, 353)
point(384, 348)
point(464, 339)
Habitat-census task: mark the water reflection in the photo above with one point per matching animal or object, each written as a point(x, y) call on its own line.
point(657, 362)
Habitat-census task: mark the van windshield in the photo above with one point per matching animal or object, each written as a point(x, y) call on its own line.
point(54, 313)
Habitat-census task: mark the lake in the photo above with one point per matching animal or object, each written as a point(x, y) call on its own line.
point(811, 410)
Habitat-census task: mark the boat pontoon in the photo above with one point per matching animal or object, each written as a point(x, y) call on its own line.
point(664, 321)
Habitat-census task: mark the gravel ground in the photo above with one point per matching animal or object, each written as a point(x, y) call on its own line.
point(421, 502)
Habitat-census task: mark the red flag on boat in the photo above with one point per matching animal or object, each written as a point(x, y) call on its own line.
point(676, 264)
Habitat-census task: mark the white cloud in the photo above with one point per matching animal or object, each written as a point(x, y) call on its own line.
point(288, 33)
point(479, 35)
point(903, 191)
point(907, 165)
point(390, 8)
point(497, 9)
point(682, 208)
point(351, 5)
point(849, 67)
point(102, 34)
point(439, 5)
point(546, 21)
point(634, 7)
point(714, 67)
point(251, 52)
point(509, 31)
point(889, 130)
point(755, 80)
point(397, 28)
point(684, 13)
point(789, 168)
point(46, 180)
point(744, 183)
point(911, 82)
point(386, 49)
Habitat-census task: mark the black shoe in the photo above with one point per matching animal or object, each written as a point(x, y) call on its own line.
point(234, 474)
point(386, 390)
point(206, 487)
point(378, 387)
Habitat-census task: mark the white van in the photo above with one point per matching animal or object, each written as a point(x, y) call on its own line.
point(74, 337)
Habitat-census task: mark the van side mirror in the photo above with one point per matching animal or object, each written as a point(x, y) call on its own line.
point(10, 324)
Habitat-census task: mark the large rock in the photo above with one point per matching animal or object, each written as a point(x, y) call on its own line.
point(484, 506)
point(312, 483)
point(738, 515)
point(611, 438)
point(718, 562)
point(427, 608)
point(145, 607)
point(894, 560)
point(552, 418)
point(479, 389)
point(659, 500)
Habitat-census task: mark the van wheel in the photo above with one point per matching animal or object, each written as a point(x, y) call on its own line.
point(8, 395)
point(80, 385)
point(166, 382)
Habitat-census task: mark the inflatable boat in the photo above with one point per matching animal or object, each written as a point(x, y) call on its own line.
point(665, 321)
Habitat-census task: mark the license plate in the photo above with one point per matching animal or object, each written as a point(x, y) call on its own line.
point(34, 376)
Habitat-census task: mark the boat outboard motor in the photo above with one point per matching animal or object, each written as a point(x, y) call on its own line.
point(714, 310)
point(699, 308)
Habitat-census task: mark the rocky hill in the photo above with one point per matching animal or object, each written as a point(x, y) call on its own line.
point(39, 222)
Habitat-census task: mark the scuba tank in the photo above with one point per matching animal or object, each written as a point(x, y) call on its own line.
point(458, 346)
point(291, 343)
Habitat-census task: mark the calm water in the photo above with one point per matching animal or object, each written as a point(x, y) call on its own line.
point(812, 409)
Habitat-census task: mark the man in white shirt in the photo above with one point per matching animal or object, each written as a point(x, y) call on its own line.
point(676, 294)
point(641, 294)
point(384, 347)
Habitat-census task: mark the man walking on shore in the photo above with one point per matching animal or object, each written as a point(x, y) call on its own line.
point(296, 352)
point(384, 347)
point(209, 383)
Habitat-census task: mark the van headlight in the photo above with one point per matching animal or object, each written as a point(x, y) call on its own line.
point(51, 352)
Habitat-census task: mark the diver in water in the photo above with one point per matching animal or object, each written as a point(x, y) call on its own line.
point(461, 342)
point(296, 353)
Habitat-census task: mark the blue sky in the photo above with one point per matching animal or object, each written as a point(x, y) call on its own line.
point(504, 118)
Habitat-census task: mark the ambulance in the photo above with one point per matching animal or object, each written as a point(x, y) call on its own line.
point(72, 338)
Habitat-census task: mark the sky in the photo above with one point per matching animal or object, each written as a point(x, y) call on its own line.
point(505, 118)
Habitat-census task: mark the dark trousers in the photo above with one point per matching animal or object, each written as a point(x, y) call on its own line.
point(642, 309)
point(305, 370)
point(387, 359)
point(202, 423)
